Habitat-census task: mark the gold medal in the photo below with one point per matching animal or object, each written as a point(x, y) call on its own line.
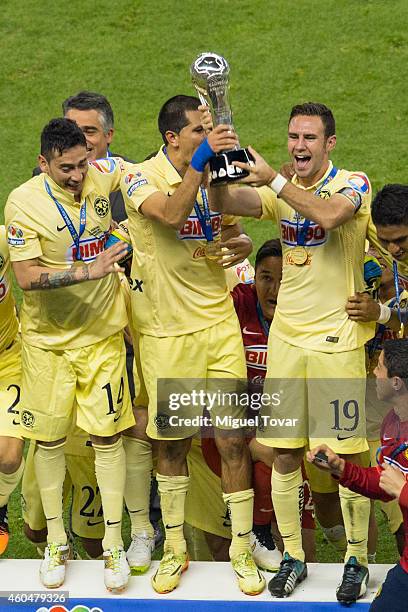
point(299, 255)
point(212, 250)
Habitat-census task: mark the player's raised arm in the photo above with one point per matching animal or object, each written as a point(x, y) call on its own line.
point(239, 201)
point(329, 214)
point(173, 210)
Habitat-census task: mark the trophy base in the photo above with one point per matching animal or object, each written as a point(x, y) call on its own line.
point(223, 171)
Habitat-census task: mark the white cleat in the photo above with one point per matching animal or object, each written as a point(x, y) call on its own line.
point(139, 553)
point(117, 571)
point(52, 568)
point(264, 552)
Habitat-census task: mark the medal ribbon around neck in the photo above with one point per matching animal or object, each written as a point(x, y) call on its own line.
point(67, 220)
point(203, 215)
point(301, 236)
point(397, 288)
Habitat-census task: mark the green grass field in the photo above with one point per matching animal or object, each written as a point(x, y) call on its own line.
point(349, 54)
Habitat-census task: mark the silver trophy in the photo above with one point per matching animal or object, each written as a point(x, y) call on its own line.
point(210, 76)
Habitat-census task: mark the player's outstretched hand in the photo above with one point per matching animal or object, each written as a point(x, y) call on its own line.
point(362, 307)
point(392, 480)
point(260, 173)
point(206, 118)
point(107, 261)
point(237, 249)
point(222, 138)
point(334, 463)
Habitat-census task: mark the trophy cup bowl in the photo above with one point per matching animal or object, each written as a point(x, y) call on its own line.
point(210, 77)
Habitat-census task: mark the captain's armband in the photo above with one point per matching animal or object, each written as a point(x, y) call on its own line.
point(352, 195)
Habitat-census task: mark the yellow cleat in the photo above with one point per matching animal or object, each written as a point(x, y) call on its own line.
point(250, 579)
point(169, 572)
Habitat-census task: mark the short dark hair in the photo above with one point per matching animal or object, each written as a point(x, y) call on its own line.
point(390, 205)
point(172, 116)
point(316, 109)
point(270, 248)
point(59, 135)
point(89, 100)
point(396, 358)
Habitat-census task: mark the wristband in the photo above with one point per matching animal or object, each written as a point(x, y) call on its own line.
point(385, 314)
point(278, 183)
point(201, 156)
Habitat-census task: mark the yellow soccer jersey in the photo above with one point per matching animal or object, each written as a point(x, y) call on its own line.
point(175, 289)
point(8, 319)
point(386, 255)
point(312, 297)
point(77, 315)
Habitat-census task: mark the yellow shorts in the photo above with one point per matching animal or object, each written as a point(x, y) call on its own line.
point(210, 361)
point(205, 508)
point(86, 506)
point(93, 377)
point(392, 508)
point(141, 397)
point(10, 381)
point(319, 399)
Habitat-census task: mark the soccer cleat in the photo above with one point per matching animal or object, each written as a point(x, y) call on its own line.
point(4, 529)
point(354, 582)
point(52, 568)
point(250, 579)
point(264, 551)
point(139, 553)
point(291, 572)
point(169, 572)
point(116, 572)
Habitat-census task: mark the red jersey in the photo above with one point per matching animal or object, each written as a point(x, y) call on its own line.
point(394, 451)
point(254, 336)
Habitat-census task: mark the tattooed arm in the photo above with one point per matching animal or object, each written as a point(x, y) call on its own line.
point(31, 275)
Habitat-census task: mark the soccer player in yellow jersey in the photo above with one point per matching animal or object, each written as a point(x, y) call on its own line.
point(94, 115)
point(72, 318)
point(322, 215)
point(11, 442)
point(388, 233)
point(188, 327)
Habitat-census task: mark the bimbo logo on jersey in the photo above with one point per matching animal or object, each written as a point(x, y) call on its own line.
point(192, 230)
point(89, 249)
point(256, 356)
point(315, 235)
